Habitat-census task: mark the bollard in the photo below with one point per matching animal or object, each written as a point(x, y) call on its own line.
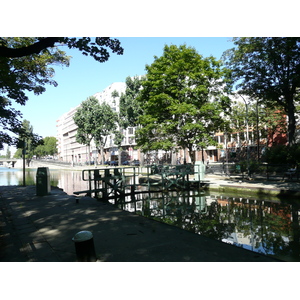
point(84, 246)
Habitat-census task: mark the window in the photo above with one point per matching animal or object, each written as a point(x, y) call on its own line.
point(130, 130)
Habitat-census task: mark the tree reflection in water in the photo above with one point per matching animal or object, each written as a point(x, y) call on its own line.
point(265, 226)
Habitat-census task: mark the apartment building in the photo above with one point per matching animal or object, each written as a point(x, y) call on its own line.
point(68, 149)
point(71, 151)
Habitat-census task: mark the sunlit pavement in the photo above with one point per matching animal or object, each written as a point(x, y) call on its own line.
point(261, 185)
point(40, 229)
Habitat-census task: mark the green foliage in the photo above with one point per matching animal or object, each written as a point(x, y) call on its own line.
point(282, 154)
point(49, 147)
point(97, 48)
point(268, 69)
point(8, 153)
point(253, 165)
point(115, 94)
point(94, 121)
point(130, 108)
point(270, 121)
point(119, 136)
point(183, 99)
point(20, 75)
point(85, 119)
point(27, 142)
point(25, 67)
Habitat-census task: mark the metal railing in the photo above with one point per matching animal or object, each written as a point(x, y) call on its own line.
point(261, 170)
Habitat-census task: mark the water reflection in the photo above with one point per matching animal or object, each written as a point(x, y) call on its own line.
point(67, 180)
point(268, 227)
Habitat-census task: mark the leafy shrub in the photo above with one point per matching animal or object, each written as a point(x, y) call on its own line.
point(254, 166)
point(282, 154)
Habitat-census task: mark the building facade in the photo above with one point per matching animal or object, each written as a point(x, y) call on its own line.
point(72, 152)
point(230, 147)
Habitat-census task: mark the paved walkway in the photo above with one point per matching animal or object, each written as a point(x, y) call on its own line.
point(271, 187)
point(40, 229)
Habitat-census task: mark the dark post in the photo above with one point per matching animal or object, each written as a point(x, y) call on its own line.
point(132, 189)
point(84, 246)
point(24, 153)
point(257, 131)
point(97, 177)
point(90, 184)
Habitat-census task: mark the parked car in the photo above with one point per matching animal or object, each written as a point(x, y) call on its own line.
point(114, 163)
point(126, 163)
point(135, 162)
point(111, 163)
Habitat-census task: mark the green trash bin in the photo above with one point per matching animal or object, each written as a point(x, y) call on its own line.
point(238, 168)
point(43, 186)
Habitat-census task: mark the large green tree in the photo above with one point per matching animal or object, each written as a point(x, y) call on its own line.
point(25, 66)
point(268, 69)
point(96, 122)
point(183, 99)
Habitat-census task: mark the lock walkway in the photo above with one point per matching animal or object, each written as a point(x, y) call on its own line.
point(41, 228)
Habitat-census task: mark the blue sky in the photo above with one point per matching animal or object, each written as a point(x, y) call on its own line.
point(85, 77)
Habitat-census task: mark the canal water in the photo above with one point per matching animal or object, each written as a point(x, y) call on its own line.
point(268, 226)
point(68, 180)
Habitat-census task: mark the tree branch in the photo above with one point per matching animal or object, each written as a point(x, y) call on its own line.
point(32, 49)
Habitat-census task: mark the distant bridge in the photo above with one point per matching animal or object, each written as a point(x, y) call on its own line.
point(8, 161)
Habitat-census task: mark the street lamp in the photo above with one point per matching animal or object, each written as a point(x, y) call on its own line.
point(247, 132)
point(226, 153)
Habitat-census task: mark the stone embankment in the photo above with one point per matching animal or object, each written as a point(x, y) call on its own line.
point(51, 164)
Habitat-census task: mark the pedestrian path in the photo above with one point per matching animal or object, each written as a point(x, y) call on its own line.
point(268, 187)
point(40, 229)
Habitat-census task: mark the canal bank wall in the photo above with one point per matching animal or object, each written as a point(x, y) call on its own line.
point(258, 188)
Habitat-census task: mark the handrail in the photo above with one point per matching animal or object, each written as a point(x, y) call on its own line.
point(105, 171)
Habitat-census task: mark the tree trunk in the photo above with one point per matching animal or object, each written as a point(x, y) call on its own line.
point(192, 154)
point(291, 121)
point(102, 155)
point(119, 155)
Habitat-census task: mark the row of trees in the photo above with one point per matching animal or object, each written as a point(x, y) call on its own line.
point(30, 144)
point(7, 155)
point(183, 97)
point(97, 121)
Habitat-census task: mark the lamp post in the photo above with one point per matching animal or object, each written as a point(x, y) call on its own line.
point(247, 132)
point(23, 154)
point(257, 131)
point(226, 153)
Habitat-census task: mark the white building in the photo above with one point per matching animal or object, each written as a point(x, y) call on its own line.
point(71, 151)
